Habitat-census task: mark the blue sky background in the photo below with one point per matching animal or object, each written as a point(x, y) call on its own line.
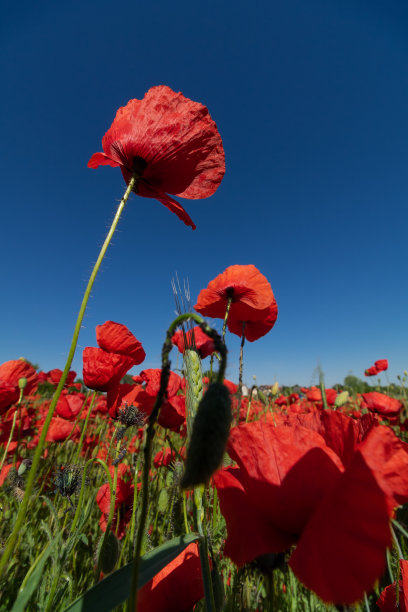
point(311, 101)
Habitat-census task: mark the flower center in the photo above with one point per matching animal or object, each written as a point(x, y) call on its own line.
point(139, 166)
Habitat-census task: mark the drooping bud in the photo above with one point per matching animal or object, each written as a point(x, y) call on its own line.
point(107, 551)
point(209, 436)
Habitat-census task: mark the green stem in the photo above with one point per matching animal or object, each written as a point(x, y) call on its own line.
point(21, 516)
point(78, 451)
point(224, 326)
point(241, 368)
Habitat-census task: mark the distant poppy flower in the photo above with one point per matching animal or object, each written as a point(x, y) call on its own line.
point(381, 365)
point(60, 429)
point(119, 351)
point(372, 371)
point(170, 144)
point(254, 329)
point(250, 293)
point(53, 377)
point(332, 498)
point(387, 601)
point(177, 587)
point(195, 338)
point(381, 403)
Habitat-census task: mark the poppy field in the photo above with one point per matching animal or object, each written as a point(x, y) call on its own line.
point(175, 489)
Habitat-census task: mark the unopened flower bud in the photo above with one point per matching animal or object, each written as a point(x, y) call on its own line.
point(209, 436)
point(341, 399)
point(22, 382)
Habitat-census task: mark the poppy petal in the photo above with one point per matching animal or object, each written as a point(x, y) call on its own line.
point(341, 552)
point(116, 338)
point(100, 159)
point(250, 531)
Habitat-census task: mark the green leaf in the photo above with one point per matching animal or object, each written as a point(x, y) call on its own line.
point(114, 589)
point(33, 578)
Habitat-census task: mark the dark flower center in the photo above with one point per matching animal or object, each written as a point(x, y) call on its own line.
point(139, 166)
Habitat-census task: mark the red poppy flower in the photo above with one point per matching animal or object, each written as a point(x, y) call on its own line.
point(177, 587)
point(170, 143)
point(60, 429)
point(12, 371)
point(53, 377)
point(196, 338)
point(381, 403)
point(372, 371)
point(249, 290)
point(255, 329)
point(388, 601)
point(381, 365)
point(119, 351)
point(332, 498)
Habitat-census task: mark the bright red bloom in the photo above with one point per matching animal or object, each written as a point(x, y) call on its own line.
point(119, 351)
point(387, 601)
point(177, 587)
point(60, 429)
point(381, 403)
point(372, 371)
point(328, 492)
point(255, 329)
point(250, 291)
point(53, 377)
point(170, 143)
point(70, 405)
point(196, 338)
point(381, 365)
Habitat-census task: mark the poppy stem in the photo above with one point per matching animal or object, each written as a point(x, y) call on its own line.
point(224, 326)
point(241, 368)
point(12, 540)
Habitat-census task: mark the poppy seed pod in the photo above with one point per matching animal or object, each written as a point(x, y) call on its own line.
point(209, 436)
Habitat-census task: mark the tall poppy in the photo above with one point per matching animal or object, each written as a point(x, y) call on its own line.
point(118, 351)
point(170, 144)
point(328, 492)
point(249, 291)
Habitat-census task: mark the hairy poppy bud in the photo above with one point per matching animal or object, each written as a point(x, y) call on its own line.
point(108, 550)
point(341, 399)
point(209, 436)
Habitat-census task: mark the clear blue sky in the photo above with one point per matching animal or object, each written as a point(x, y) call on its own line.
point(311, 100)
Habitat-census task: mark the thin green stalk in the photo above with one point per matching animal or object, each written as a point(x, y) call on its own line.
point(224, 325)
point(241, 369)
point(85, 425)
point(21, 516)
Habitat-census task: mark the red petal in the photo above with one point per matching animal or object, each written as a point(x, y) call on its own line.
point(102, 370)
point(251, 532)
point(116, 338)
point(100, 159)
point(286, 469)
point(341, 553)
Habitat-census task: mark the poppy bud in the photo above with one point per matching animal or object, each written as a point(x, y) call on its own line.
point(22, 382)
point(275, 388)
point(108, 550)
point(341, 399)
point(209, 436)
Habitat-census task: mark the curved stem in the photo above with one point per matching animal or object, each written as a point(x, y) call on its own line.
point(11, 543)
